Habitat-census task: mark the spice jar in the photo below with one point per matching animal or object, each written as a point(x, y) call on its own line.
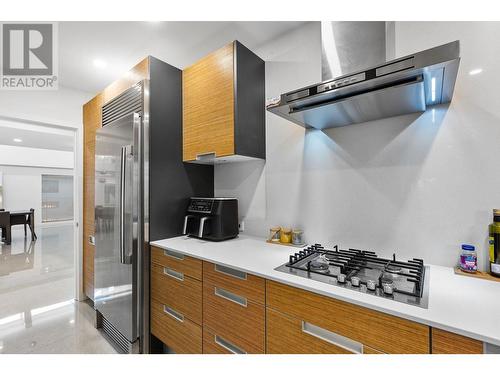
point(298, 237)
point(286, 235)
point(274, 234)
point(468, 258)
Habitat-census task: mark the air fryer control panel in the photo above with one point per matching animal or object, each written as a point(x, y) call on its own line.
point(201, 205)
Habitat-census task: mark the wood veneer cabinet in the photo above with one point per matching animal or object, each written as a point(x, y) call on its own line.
point(444, 342)
point(335, 321)
point(176, 301)
point(189, 266)
point(224, 106)
point(243, 313)
point(179, 333)
point(233, 310)
point(178, 291)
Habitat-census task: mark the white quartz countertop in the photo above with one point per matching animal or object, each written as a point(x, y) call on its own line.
point(464, 305)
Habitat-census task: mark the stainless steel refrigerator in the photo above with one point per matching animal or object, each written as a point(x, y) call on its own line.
point(142, 189)
point(118, 218)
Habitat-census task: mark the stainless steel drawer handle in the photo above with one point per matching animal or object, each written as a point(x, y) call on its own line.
point(228, 346)
point(174, 274)
point(231, 272)
point(173, 254)
point(219, 292)
point(333, 338)
point(174, 314)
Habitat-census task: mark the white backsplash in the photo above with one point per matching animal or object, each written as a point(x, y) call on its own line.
point(417, 185)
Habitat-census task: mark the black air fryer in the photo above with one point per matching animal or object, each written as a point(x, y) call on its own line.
point(214, 219)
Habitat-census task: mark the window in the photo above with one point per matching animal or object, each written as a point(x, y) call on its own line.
point(57, 198)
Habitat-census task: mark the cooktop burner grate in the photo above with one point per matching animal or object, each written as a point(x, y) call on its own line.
point(361, 270)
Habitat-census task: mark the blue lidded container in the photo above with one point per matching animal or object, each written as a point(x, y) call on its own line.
point(468, 258)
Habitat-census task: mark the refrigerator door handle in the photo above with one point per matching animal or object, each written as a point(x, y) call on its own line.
point(125, 256)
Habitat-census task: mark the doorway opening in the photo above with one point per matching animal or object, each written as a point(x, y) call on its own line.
point(38, 219)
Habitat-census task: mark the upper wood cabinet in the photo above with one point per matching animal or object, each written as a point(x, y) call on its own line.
point(224, 106)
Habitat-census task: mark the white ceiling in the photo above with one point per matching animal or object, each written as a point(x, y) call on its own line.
point(46, 139)
point(122, 44)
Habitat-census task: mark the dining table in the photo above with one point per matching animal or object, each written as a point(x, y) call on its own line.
point(22, 217)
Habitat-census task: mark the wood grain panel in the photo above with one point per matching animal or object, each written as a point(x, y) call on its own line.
point(444, 342)
point(252, 288)
point(184, 296)
point(210, 346)
point(243, 326)
point(189, 266)
point(208, 105)
point(91, 122)
point(380, 331)
point(182, 337)
point(368, 350)
point(88, 269)
point(284, 336)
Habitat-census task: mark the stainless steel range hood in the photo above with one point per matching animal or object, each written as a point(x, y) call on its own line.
point(400, 86)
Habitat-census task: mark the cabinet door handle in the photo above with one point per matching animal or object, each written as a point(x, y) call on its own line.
point(231, 272)
point(332, 338)
point(219, 292)
point(206, 156)
point(228, 346)
point(173, 254)
point(174, 314)
point(173, 274)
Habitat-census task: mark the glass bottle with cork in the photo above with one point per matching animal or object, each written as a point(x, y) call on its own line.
point(494, 244)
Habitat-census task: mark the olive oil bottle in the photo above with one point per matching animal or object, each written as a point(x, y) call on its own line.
point(494, 242)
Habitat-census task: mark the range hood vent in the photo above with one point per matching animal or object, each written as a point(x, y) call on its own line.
point(405, 85)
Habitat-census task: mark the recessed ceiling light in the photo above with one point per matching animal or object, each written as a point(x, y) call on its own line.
point(17, 140)
point(98, 63)
point(473, 72)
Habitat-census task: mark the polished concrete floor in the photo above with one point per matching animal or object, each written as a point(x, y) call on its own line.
point(38, 313)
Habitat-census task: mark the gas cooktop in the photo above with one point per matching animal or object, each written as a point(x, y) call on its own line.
point(363, 271)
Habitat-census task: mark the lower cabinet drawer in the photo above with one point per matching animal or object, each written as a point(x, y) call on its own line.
point(245, 284)
point(178, 333)
point(383, 332)
point(178, 291)
point(235, 318)
point(444, 342)
point(288, 335)
point(218, 344)
point(188, 265)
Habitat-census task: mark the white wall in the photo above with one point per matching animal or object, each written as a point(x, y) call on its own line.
point(415, 185)
point(36, 157)
point(268, 194)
